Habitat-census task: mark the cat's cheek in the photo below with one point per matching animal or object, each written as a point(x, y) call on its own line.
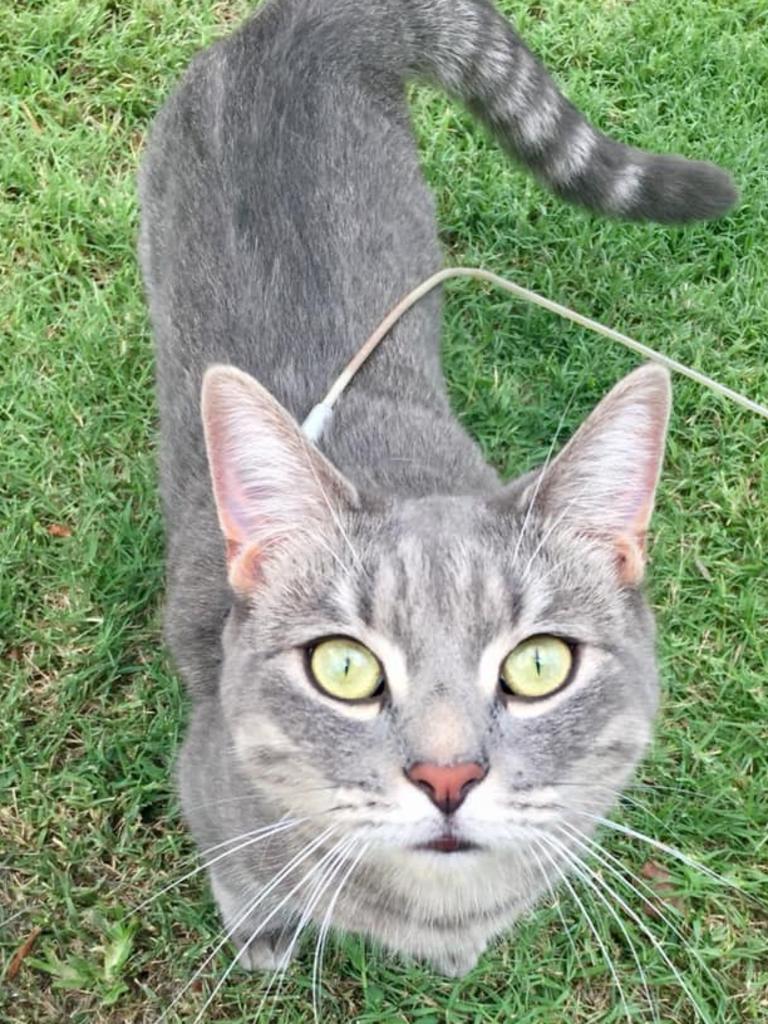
point(252, 733)
point(624, 740)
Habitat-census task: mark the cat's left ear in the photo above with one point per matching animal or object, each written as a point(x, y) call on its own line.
point(603, 483)
point(273, 489)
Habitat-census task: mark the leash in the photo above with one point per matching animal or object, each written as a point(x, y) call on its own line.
point(320, 415)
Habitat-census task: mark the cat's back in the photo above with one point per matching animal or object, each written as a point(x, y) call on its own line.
point(283, 212)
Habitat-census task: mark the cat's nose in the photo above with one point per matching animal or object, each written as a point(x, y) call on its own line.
point(446, 785)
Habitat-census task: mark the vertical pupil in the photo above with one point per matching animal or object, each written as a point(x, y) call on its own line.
point(347, 662)
point(537, 661)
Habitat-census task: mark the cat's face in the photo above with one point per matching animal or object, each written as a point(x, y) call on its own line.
point(430, 741)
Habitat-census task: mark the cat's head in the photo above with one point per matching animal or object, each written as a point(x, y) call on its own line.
point(446, 673)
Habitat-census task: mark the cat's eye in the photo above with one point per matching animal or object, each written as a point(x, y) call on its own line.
point(345, 669)
point(537, 667)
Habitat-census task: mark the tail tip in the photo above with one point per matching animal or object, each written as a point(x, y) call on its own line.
point(678, 191)
point(710, 192)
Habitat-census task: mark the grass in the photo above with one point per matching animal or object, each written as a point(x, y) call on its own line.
point(91, 711)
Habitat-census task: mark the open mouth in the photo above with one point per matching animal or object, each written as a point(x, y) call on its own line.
point(449, 844)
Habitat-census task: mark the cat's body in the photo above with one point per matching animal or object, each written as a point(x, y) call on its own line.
point(283, 214)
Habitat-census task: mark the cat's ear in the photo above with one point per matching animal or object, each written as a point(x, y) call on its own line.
point(603, 483)
point(272, 487)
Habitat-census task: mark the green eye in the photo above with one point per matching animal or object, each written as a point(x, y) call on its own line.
point(345, 669)
point(537, 667)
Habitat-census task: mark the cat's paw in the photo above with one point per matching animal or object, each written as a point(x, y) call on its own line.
point(270, 952)
point(455, 964)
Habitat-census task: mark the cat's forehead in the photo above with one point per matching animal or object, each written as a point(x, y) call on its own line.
point(454, 575)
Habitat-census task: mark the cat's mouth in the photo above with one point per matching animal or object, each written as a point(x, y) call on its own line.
point(448, 843)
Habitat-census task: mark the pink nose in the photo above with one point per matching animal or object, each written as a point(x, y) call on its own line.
point(446, 785)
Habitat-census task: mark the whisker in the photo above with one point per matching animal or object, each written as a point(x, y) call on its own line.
point(672, 851)
point(575, 860)
point(320, 889)
point(262, 894)
point(275, 826)
point(322, 885)
point(336, 519)
point(634, 784)
point(556, 904)
point(592, 927)
point(584, 872)
point(317, 963)
point(620, 797)
point(551, 570)
point(547, 534)
point(605, 857)
point(259, 834)
point(265, 921)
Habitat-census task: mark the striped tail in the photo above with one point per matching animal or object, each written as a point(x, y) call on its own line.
point(473, 53)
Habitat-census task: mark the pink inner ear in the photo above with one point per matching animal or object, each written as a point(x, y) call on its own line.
point(270, 486)
point(250, 442)
point(245, 568)
point(606, 475)
point(630, 558)
point(228, 492)
point(646, 492)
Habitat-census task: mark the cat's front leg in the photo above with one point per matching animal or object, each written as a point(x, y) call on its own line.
point(272, 947)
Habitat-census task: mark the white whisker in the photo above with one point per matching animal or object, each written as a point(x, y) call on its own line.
point(262, 894)
point(317, 963)
point(322, 885)
point(589, 876)
point(672, 851)
point(572, 857)
point(265, 921)
point(592, 927)
point(259, 834)
point(605, 857)
point(335, 516)
point(556, 903)
point(547, 534)
point(277, 826)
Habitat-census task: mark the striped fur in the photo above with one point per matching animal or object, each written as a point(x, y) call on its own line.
point(283, 212)
point(471, 51)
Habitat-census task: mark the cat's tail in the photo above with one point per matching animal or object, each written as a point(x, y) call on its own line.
point(473, 53)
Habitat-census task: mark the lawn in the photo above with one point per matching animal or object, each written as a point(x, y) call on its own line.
point(91, 711)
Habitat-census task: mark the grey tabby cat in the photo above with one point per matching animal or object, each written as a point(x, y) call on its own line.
point(414, 672)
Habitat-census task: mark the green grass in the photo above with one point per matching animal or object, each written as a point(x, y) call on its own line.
point(91, 712)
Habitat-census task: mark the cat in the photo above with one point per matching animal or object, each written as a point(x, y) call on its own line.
point(408, 678)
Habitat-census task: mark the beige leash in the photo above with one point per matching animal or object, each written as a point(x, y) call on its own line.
point(320, 415)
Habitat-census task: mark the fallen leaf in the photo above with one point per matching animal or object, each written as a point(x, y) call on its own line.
point(23, 951)
point(655, 871)
point(59, 530)
point(661, 882)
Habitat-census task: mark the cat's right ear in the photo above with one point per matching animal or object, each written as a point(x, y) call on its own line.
point(272, 487)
